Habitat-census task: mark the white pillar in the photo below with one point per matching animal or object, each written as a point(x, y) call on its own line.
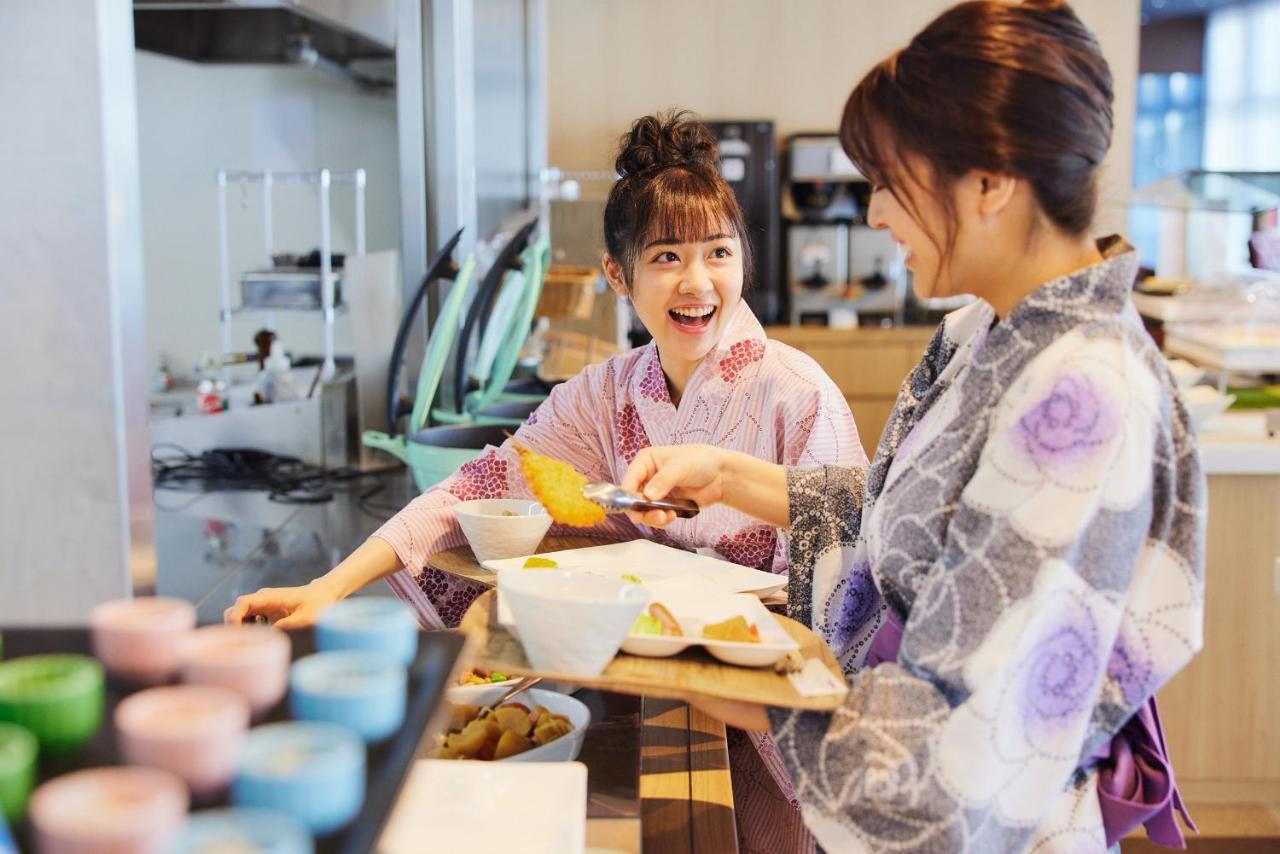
point(76, 518)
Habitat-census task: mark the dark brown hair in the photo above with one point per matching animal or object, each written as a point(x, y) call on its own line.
point(1020, 89)
point(669, 186)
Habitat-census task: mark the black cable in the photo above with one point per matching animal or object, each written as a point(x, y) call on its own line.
point(287, 480)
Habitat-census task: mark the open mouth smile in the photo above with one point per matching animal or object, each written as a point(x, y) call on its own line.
point(692, 318)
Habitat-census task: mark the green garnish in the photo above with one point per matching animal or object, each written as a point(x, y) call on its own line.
point(646, 625)
point(626, 576)
point(498, 677)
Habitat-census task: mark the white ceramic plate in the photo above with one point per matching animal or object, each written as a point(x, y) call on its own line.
point(695, 612)
point(537, 808)
point(650, 561)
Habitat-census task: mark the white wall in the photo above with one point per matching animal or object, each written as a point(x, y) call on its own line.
point(75, 493)
point(195, 119)
point(794, 62)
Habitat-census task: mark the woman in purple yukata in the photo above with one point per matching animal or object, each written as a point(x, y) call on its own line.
point(674, 236)
point(1021, 567)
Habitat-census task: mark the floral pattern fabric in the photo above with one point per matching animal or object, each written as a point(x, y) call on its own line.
point(1035, 518)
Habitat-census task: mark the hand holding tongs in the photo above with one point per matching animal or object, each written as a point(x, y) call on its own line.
point(615, 499)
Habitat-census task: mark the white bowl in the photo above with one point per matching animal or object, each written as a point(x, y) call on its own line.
point(494, 536)
point(1206, 403)
point(1184, 373)
point(565, 748)
point(571, 623)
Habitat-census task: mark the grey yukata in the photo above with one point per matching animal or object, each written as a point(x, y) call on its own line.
point(1035, 517)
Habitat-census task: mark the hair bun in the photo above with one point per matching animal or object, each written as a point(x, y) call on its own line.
point(664, 140)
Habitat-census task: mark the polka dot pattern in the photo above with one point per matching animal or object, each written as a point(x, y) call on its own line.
point(741, 355)
point(630, 432)
point(653, 384)
point(483, 477)
point(450, 595)
point(752, 546)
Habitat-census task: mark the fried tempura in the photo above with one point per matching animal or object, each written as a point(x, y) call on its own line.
point(558, 487)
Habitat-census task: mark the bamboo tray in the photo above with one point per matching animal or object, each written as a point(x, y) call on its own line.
point(686, 676)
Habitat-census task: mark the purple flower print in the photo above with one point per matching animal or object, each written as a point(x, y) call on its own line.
point(1059, 678)
point(1071, 423)
point(857, 599)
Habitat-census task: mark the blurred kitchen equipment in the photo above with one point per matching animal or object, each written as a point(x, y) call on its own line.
point(568, 291)
point(749, 164)
point(297, 287)
point(836, 263)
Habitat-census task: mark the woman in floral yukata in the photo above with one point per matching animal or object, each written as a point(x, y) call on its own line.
point(1021, 566)
point(675, 244)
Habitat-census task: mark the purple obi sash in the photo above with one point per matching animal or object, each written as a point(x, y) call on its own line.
point(1135, 777)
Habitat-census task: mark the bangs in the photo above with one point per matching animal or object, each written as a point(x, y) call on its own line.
point(864, 127)
point(685, 207)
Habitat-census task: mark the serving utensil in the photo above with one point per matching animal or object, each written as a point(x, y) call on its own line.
point(615, 499)
point(524, 684)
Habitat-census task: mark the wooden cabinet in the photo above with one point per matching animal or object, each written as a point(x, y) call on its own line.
point(1220, 712)
point(867, 365)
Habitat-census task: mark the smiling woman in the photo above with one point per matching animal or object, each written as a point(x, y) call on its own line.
point(674, 238)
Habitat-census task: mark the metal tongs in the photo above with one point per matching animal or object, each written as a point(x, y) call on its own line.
point(615, 499)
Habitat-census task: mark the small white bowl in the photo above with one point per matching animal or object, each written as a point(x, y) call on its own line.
point(571, 623)
point(494, 536)
point(1206, 403)
point(565, 748)
point(1185, 374)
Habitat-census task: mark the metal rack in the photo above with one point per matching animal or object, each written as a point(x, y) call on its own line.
point(323, 180)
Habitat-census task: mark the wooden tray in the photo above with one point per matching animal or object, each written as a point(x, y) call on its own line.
point(686, 676)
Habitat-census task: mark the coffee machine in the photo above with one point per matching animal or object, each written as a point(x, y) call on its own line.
point(839, 270)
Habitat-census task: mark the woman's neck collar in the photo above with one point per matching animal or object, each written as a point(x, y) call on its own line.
point(1050, 260)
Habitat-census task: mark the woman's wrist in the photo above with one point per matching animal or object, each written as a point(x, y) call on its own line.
point(755, 487)
point(373, 560)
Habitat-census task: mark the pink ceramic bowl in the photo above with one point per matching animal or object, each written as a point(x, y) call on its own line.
point(139, 639)
point(108, 811)
point(251, 660)
point(194, 731)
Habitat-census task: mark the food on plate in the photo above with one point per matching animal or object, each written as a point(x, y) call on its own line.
point(735, 629)
point(540, 563)
point(657, 620)
point(479, 676)
point(510, 729)
point(558, 487)
point(508, 513)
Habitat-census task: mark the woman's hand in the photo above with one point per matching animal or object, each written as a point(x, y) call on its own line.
point(708, 475)
point(286, 607)
point(295, 607)
point(695, 472)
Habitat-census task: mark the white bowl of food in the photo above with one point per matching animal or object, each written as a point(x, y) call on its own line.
point(1185, 374)
point(1206, 403)
point(535, 725)
point(571, 623)
point(498, 528)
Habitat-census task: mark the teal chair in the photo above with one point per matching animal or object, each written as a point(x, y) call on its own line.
point(435, 452)
point(500, 319)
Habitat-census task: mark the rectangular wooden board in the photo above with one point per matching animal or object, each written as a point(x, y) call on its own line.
point(687, 676)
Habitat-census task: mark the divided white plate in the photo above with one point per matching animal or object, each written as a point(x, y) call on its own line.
point(650, 561)
point(693, 612)
point(532, 807)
